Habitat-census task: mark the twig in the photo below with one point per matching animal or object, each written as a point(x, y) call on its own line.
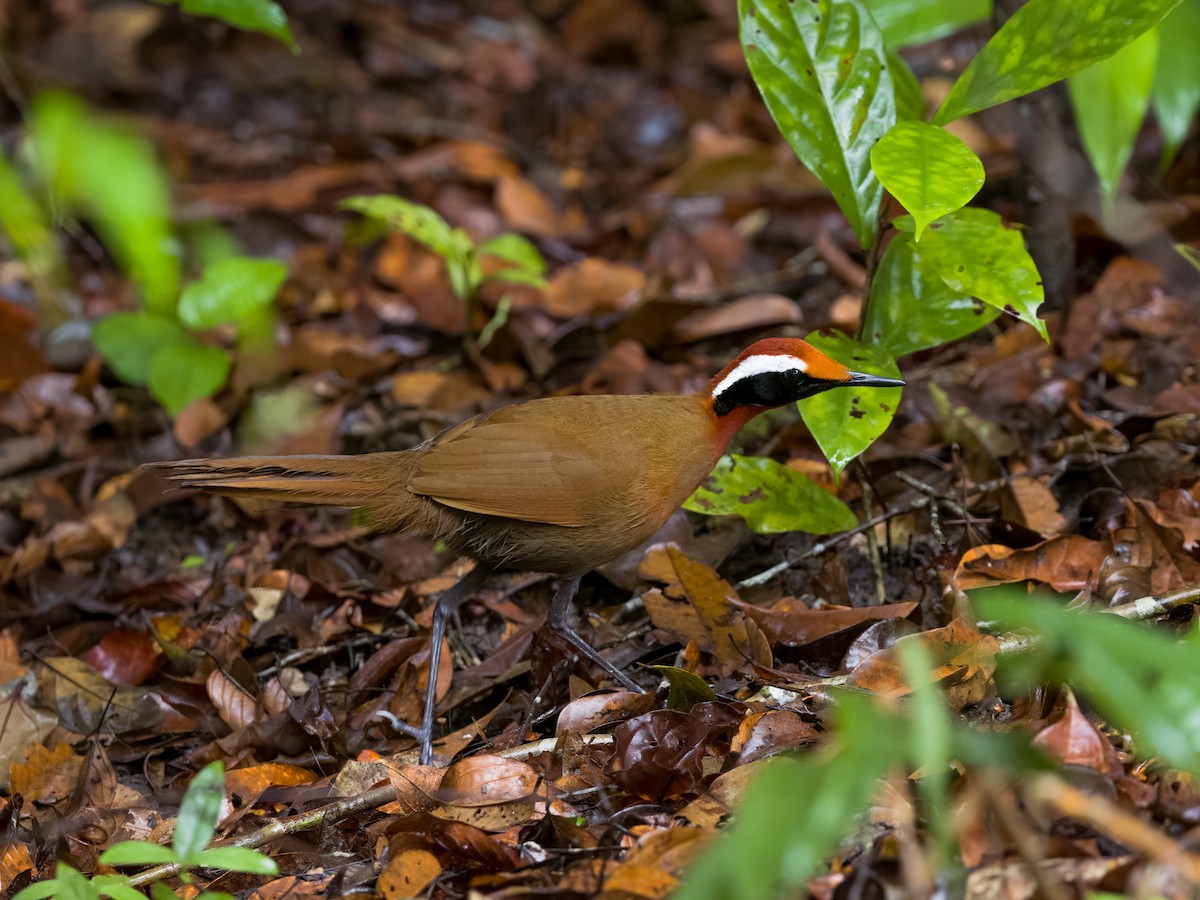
point(1108, 818)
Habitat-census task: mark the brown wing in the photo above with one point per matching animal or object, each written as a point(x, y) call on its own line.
point(536, 462)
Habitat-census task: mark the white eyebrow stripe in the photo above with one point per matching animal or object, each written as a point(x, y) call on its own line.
point(759, 365)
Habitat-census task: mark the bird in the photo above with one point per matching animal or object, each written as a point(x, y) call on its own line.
point(557, 485)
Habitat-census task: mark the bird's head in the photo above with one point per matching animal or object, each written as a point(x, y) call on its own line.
point(777, 371)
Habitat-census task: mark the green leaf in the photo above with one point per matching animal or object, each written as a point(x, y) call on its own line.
point(771, 497)
point(231, 291)
point(974, 252)
point(822, 70)
point(932, 739)
point(39, 890)
point(113, 175)
point(798, 810)
point(28, 228)
point(160, 891)
point(116, 887)
point(249, 15)
point(686, 688)
point(908, 22)
point(186, 372)
point(1110, 101)
point(1190, 253)
point(419, 222)
point(910, 99)
point(517, 250)
point(238, 859)
point(1046, 41)
point(845, 421)
point(197, 820)
point(912, 308)
point(137, 853)
point(1176, 96)
point(1136, 677)
point(130, 341)
point(927, 169)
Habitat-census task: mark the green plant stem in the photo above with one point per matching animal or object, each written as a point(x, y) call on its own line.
point(874, 254)
point(873, 554)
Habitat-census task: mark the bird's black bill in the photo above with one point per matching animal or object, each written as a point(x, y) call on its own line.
point(861, 379)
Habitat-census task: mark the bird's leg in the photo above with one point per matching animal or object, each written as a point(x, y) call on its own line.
point(448, 602)
point(558, 619)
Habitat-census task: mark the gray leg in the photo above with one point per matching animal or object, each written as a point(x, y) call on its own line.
point(558, 618)
point(447, 602)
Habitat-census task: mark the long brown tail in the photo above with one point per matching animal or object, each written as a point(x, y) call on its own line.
point(371, 481)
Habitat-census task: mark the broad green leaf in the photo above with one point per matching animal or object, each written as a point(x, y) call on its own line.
point(908, 22)
point(1046, 41)
point(927, 169)
point(160, 891)
point(822, 70)
point(186, 372)
point(419, 222)
point(231, 291)
point(912, 308)
point(130, 341)
point(910, 99)
point(1110, 101)
point(687, 688)
point(198, 813)
point(771, 498)
point(1137, 678)
point(263, 16)
point(39, 890)
point(117, 887)
point(845, 421)
point(215, 895)
point(976, 253)
point(517, 250)
point(1176, 96)
point(113, 176)
point(137, 853)
point(238, 859)
point(798, 810)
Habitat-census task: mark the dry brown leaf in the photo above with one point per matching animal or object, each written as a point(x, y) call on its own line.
point(1073, 740)
point(1031, 502)
point(408, 874)
point(486, 780)
point(593, 287)
point(236, 708)
point(47, 776)
point(1068, 563)
point(746, 314)
point(251, 781)
point(792, 623)
point(586, 714)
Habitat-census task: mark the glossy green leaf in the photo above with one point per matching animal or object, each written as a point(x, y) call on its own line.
point(686, 688)
point(137, 853)
point(186, 372)
point(231, 291)
point(822, 70)
point(198, 813)
point(263, 16)
point(912, 308)
point(797, 811)
point(113, 176)
point(910, 99)
point(1110, 100)
point(1046, 41)
point(1136, 677)
point(419, 222)
point(39, 890)
point(130, 341)
point(976, 253)
point(1176, 95)
point(237, 859)
point(771, 498)
point(845, 421)
point(927, 169)
point(908, 22)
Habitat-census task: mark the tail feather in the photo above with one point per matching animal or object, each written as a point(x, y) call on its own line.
point(369, 480)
